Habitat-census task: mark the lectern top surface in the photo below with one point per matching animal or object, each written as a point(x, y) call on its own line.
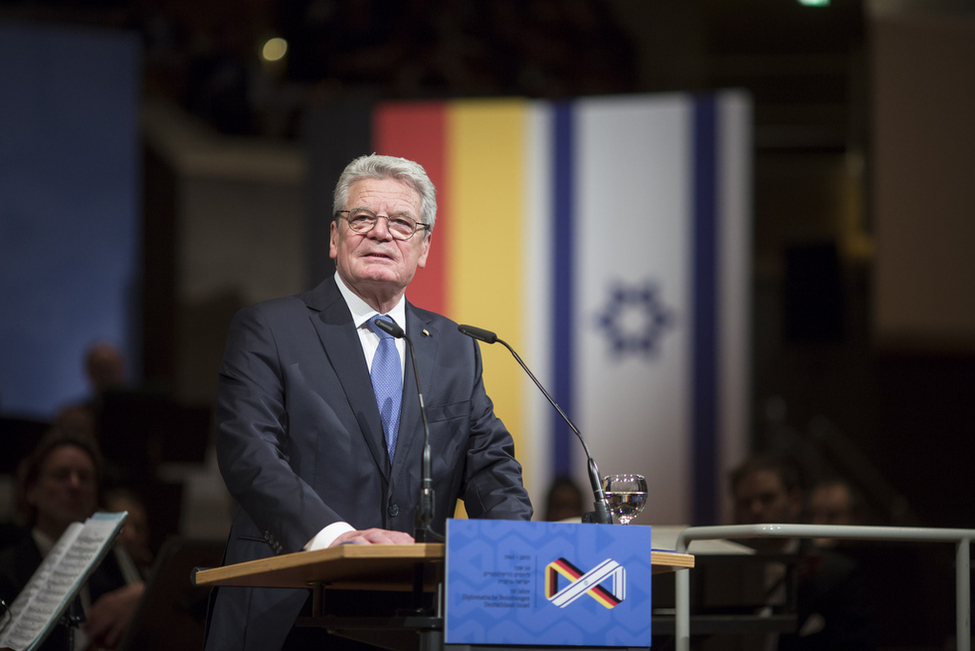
point(344, 566)
point(377, 567)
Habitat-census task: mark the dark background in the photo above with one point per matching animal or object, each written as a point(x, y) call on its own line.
point(840, 379)
point(824, 375)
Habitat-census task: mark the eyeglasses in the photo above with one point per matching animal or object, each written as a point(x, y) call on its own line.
point(400, 227)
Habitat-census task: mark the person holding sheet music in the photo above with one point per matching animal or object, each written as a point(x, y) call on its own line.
point(310, 456)
point(61, 485)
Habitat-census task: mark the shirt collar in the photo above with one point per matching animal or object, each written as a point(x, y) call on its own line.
point(362, 311)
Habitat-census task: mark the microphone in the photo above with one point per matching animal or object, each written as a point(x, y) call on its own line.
point(486, 336)
point(424, 508)
point(602, 513)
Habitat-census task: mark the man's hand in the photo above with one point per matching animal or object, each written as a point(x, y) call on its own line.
point(108, 617)
point(373, 536)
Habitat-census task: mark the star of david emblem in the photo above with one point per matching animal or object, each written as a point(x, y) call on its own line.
point(635, 319)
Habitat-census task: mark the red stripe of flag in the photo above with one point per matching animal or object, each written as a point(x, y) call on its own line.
point(417, 131)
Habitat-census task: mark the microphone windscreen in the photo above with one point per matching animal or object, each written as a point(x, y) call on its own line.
point(480, 334)
point(390, 327)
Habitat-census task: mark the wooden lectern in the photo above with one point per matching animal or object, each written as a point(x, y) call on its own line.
point(376, 568)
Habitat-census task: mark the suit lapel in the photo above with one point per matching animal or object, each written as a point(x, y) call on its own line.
point(344, 351)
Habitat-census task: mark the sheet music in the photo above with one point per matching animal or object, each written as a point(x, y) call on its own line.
point(61, 572)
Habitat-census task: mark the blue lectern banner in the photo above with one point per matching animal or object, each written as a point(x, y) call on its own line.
point(547, 583)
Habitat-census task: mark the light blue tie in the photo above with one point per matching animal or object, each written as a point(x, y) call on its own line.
point(387, 382)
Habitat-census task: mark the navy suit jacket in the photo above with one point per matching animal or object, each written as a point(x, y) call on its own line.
point(300, 444)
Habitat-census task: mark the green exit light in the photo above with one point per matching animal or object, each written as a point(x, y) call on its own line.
point(814, 3)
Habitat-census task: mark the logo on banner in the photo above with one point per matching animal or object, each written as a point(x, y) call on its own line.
point(635, 319)
point(587, 583)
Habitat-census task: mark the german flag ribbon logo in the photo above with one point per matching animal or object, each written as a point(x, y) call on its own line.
point(585, 583)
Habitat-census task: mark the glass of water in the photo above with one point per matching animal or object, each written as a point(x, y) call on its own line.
point(627, 495)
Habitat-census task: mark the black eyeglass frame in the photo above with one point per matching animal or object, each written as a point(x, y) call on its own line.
point(417, 226)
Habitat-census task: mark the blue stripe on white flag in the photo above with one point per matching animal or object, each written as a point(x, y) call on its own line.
point(704, 349)
point(563, 308)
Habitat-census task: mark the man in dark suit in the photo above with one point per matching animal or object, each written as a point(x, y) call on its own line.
point(312, 450)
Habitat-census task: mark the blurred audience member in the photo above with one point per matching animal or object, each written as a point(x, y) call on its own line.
point(61, 485)
point(564, 500)
point(105, 370)
point(104, 367)
point(831, 604)
point(76, 420)
point(766, 491)
point(832, 502)
point(134, 537)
